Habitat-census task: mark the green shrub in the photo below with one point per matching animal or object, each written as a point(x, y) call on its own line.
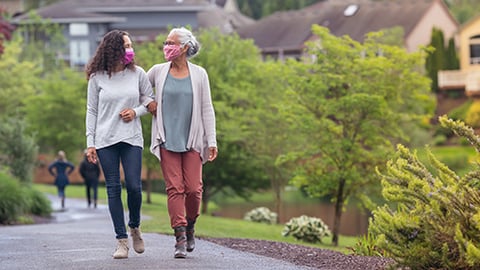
point(13, 202)
point(38, 203)
point(367, 246)
point(432, 220)
point(261, 215)
point(18, 202)
point(18, 149)
point(307, 229)
point(439, 140)
point(473, 115)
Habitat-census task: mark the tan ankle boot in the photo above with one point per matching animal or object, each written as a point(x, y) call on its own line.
point(122, 249)
point(138, 244)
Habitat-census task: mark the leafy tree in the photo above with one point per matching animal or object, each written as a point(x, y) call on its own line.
point(18, 78)
point(18, 148)
point(463, 10)
point(268, 133)
point(349, 105)
point(35, 4)
point(44, 42)
point(258, 9)
point(57, 113)
point(431, 220)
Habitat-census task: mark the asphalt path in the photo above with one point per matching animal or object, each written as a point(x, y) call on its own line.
point(83, 238)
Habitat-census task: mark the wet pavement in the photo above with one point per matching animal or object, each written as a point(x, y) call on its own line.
point(83, 238)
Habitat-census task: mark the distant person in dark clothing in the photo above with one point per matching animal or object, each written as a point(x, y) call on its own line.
point(90, 173)
point(61, 168)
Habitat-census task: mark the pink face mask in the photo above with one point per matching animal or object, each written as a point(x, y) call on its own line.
point(171, 51)
point(129, 55)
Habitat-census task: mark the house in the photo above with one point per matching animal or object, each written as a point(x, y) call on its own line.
point(467, 78)
point(283, 34)
point(85, 22)
point(12, 6)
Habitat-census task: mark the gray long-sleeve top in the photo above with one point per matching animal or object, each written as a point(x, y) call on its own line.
point(107, 97)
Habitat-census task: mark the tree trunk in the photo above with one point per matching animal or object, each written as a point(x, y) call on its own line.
point(278, 201)
point(149, 185)
point(205, 198)
point(338, 212)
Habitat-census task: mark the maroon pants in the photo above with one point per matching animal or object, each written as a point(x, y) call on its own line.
point(183, 181)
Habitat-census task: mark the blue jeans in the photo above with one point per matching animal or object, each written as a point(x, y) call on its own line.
point(131, 159)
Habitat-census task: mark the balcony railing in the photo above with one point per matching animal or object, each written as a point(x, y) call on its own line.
point(457, 79)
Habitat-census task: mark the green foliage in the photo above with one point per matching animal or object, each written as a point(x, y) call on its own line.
point(307, 229)
point(45, 43)
point(367, 246)
point(18, 149)
point(431, 221)
point(13, 202)
point(460, 113)
point(37, 203)
point(473, 115)
point(258, 9)
point(261, 215)
point(349, 105)
point(57, 113)
point(19, 201)
point(463, 10)
point(18, 78)
point(451, 56)
point(436, 57)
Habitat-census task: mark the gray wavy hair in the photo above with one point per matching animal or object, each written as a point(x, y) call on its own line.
point(187, 38)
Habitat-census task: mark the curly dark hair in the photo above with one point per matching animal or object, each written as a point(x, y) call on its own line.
point(109, 53)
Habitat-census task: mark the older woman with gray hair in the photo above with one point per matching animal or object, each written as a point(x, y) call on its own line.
point(183, 132)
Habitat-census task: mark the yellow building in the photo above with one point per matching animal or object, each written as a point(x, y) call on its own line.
point(468, 77)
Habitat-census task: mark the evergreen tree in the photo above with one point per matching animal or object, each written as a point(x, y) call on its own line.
point(451, 57)
point(436, 58)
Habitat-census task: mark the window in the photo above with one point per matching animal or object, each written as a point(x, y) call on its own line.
point(79, 52)
point(78, 29)
point(475, 50)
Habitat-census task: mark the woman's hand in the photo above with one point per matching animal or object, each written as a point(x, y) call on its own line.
point(152, 108)
point(127, 115)
point(212, 155)
point(92, 155)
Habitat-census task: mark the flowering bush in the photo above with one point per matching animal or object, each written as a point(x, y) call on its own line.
point(262, 215)
point(307, 229)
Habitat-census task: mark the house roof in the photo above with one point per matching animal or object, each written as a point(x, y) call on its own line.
point(227, 21)
point(100, 11)
point(106, 11)
point(290, 29)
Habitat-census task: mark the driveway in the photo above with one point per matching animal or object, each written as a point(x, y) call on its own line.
point(83, 238)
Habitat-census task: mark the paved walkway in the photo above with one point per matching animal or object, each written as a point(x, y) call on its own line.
point(82, 238)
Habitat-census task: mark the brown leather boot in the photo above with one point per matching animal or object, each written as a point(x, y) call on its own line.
point(181, 245)
point(190, 236)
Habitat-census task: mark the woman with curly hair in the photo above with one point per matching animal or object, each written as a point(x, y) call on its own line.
point(118, 94)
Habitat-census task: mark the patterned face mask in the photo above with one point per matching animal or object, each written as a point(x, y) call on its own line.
point(171, 51)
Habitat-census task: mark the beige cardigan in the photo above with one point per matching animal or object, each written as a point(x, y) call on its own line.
point(202, 128)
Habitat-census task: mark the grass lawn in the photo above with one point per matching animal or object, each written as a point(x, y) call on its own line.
point(207, 226)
